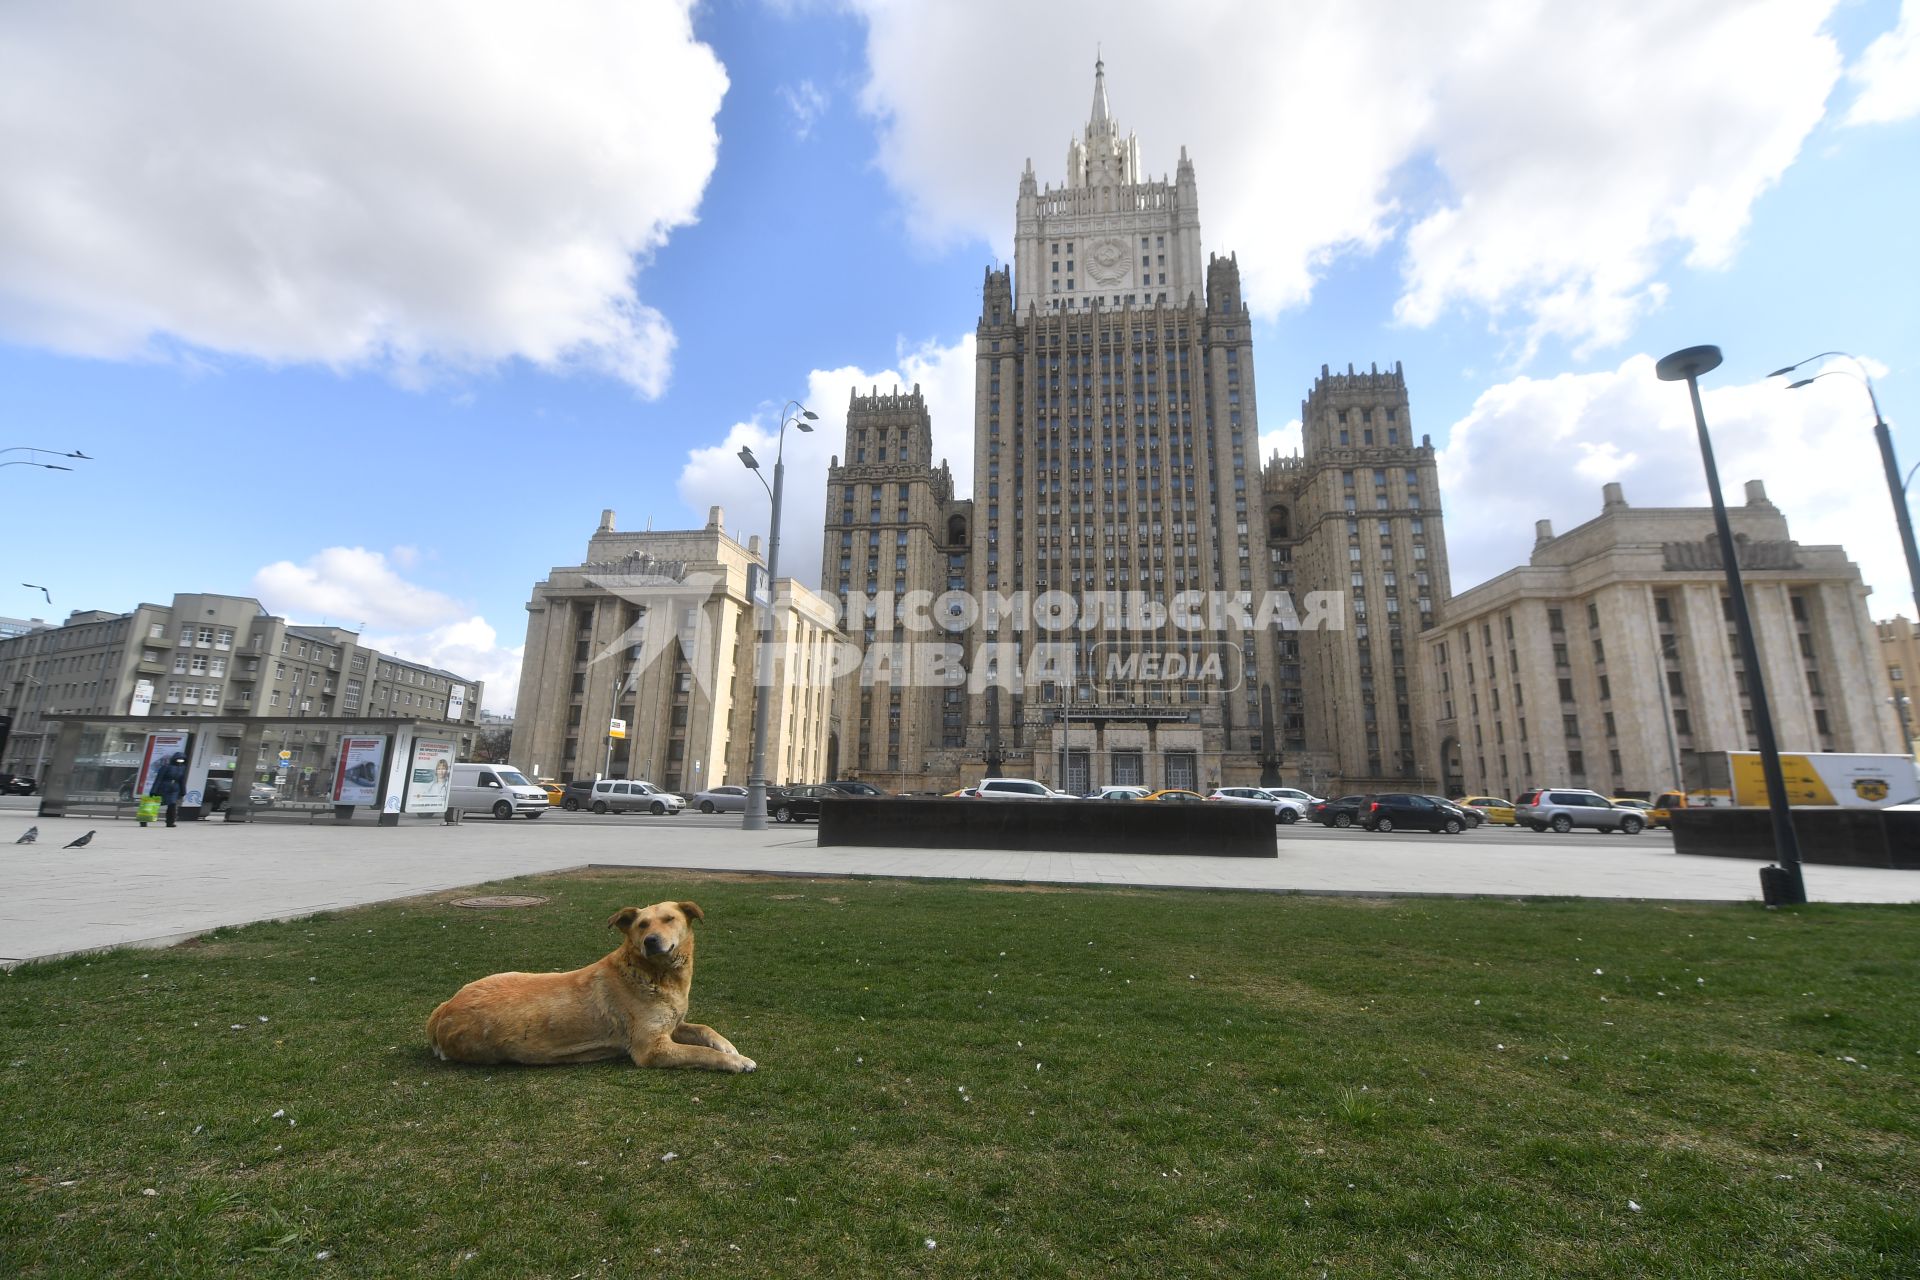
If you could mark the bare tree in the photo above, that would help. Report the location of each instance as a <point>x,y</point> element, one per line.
<point>492,746</point>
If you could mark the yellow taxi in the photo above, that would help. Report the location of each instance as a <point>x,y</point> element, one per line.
<point>553,789</point>
<point>1497,811</point>
<point>1663,805</point>
<point>1174,795</point>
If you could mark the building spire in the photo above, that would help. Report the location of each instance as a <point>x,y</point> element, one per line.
<point>1101,121</point>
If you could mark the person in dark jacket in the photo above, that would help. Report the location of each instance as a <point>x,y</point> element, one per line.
<point>170,783</point>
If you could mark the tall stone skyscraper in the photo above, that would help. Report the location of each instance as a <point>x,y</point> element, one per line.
<point>1115,445</point>
<point>1147,605</point>
<point>893,528</point>
<point>1356,515</point>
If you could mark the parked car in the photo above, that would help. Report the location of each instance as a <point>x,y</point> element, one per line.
<point>17,784</point>
<point>798,804</point>
<point>1492,808</point>
<point>1564,808</point>
<point>1395,810</point>
<point>1119,793</point>
<point>494,788</point>
<point>722,799</point>
<point>1284,811</point>
<point>623,795</point>
<point>1174,795</point>
<point>855,787</point>
<point>1018,789</point>
<point>1472,817</point>
<point>1341,812</point>
<point>577,794</point>
<point>556,791</point>
<point>1643,807</point>
<point>1306,798</point>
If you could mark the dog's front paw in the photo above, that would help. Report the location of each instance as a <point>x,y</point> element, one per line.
<point>742,1063</point>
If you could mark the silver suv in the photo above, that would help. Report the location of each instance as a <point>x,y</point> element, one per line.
<point>1563,808</point>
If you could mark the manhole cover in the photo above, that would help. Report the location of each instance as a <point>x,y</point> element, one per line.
<point>488,904</point>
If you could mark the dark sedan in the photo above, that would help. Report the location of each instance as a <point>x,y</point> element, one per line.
<point>1472,817</point>
<point>1395,811</point>
<point>1342,812</point>
<point>854,787</point>
<point>797,804</point>
<point>17,784</point>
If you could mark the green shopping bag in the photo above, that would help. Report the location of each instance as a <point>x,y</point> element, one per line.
<point>149,808</point>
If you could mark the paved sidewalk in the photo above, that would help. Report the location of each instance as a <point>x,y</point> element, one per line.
<point>153,886</point>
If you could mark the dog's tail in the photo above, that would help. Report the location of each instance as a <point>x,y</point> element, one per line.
<point>436,1028</point>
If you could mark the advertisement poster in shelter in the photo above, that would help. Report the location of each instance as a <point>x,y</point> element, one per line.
<point>429,776</point>
<point>160,748</point>
<point>356,779</point>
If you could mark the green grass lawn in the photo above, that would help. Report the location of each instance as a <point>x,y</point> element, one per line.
<point>968,1080</point>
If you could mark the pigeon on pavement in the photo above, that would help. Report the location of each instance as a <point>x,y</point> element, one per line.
<point>82,842</point>
<point>28,836</point>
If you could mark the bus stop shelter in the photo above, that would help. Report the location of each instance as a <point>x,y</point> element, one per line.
<point>300,764</point>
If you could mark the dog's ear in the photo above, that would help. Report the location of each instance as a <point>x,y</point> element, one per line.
<point>692,909</point>
<point>622,918</point>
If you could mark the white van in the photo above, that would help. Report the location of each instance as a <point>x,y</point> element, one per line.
<point>499,789</point>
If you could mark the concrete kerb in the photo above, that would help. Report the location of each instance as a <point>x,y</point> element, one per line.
<point>167,887</point>
<point>1276,891</point>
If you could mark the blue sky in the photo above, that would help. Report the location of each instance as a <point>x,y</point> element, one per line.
<point>371,319</point>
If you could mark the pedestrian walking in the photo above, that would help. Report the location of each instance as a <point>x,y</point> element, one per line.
<point>170,783</point>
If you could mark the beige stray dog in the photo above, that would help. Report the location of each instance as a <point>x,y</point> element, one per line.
<point>632,1002</point>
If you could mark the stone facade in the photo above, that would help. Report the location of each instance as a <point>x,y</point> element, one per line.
<point>1116,459</point>
<point>895,534</point>
<point>1900,655</point>
<point>1355,519</point>
<point>657,629</point>
<point>212,657</point>
<point>1609,660</point>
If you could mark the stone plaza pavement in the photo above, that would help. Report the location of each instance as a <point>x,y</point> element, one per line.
<point>150,887</point>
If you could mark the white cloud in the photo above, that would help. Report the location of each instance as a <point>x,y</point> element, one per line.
<point>467,647</point>
<point>416,187</point>
<point>1541,449</point>
<point>1542,162</point>
<point>358,589</point>
<point>807,102</point>
<point>714,475</point>
<point>350,586</point>
<point>1285,442</point>
<point>1889,73</point>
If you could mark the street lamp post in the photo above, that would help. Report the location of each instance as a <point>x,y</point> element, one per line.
<point>34,460</point>
<point>1785,884</point>
<point>1884,436</point>
<point>755,817</point>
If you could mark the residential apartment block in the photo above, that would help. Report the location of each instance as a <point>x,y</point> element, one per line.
<point>210,657</point>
